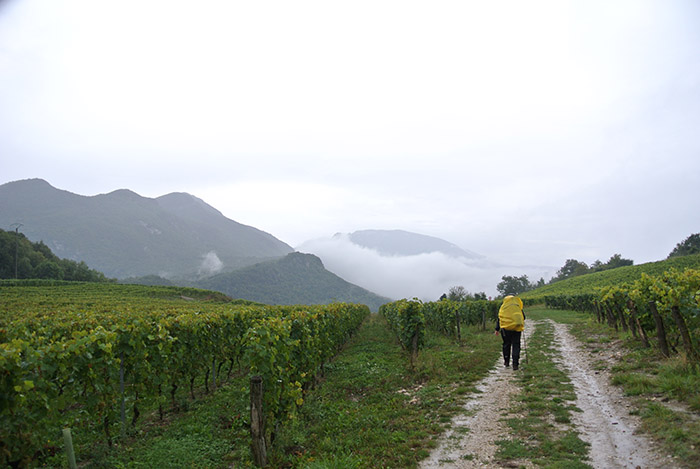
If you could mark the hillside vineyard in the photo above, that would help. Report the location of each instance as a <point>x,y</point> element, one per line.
<point>75,355</point>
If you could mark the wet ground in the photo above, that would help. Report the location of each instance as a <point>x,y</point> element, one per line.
<point>605,421</point>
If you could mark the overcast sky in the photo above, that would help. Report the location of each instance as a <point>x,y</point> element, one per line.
<point>526,131</point>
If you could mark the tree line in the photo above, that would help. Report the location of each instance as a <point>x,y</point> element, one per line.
<point>22,259</point>
<point>573,268</point>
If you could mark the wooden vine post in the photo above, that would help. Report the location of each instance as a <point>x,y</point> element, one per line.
<point>621,315</point>
<point>414,350</point>
<point>257,422</point>
<point>122,404</point>
<point>683,328</point>
<point>213,373</point>
<point>660,330</point>
<point>70,453</point>
<point>612,322</point>
<point>459,329</point>
<point>635,317</point>
<point>596,307</point>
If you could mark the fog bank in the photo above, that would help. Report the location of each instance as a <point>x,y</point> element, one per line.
<point>425,276</point>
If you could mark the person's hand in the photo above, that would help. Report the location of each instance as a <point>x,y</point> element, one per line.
<point>495,332</point>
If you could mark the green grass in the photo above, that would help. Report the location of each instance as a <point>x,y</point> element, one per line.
<point>558,315</point>
<point>652,384</point>
<point>369,410</point>
<point>679,435</point>
<point>209,432</point>
<point>544,434</point>
<point>373,407</point>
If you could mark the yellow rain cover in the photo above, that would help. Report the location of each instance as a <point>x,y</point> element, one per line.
<point>510,316</point>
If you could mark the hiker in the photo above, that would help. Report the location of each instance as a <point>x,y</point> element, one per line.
<point>510,323</point>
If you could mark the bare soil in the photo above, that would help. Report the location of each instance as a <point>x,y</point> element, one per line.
<point>605,421</point>
<point>471,440</point>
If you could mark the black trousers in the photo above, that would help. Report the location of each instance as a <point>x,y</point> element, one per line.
<point>511,340</point>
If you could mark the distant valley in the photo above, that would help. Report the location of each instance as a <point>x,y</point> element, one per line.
<point>402,264</point>
<point>174,239</point>
<point>126,235</point>
<point>179,239</point>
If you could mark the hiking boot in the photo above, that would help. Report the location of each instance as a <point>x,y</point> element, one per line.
<point>506,363</point>
<point>515,367</point>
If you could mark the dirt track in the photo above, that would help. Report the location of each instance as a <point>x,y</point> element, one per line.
<point>471,441</point>
<point>604,422</point>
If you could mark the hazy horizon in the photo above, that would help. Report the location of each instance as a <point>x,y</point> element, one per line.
<point>529,132</point>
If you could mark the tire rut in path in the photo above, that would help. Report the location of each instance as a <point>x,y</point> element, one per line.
<point>605,422</point>
<point>471,440</point>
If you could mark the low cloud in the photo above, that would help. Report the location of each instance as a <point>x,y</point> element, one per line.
<point>211,264</point>
<point>425,276</point>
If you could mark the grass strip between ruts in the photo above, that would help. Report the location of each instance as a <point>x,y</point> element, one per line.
<point>541,417</point>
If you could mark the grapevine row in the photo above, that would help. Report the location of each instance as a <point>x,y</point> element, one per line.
<point>665,305</point>
<point>68,368</point>
<point>410,318</point>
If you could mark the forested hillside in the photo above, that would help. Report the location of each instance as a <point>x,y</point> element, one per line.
<point>124,234</point>
<point>296,279</point>
<point>21,258</point>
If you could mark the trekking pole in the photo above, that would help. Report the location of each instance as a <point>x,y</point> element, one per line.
<point>525,348</point>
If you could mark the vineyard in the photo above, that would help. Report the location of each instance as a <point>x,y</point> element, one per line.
<point>590,283</point>
<point>664,307</point>
<point>94,356</point>
<point>657,302</point>
<point>107,360</point>
<point>408,319</point>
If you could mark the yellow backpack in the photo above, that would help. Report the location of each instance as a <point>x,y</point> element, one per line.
<point>510,315</point>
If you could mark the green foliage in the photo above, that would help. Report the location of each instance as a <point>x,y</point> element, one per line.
<point>689,246</point>
<point>574,268</point>
<point>571,268</point>
<point>368,411</point>
<point>125,235</point>
<point>450,317</point>
<point>406,319</point>
<point>459,293</point>
<point>63,349</point>
<point>372,407</point>
<point>295,279</point>
<point>510,285</point>
<point>653,381</point>
<point>614,262</point>
<point>409,319</point>
<point>662,305</point>
<point>590,283</point>
<point>35,260</point>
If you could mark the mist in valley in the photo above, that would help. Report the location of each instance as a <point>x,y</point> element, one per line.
<point>425,276</point>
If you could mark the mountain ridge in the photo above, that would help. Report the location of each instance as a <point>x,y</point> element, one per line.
<point>297,278</point>
<point>406,243</point>
<point>151,236</point>
<point>124,234</point>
